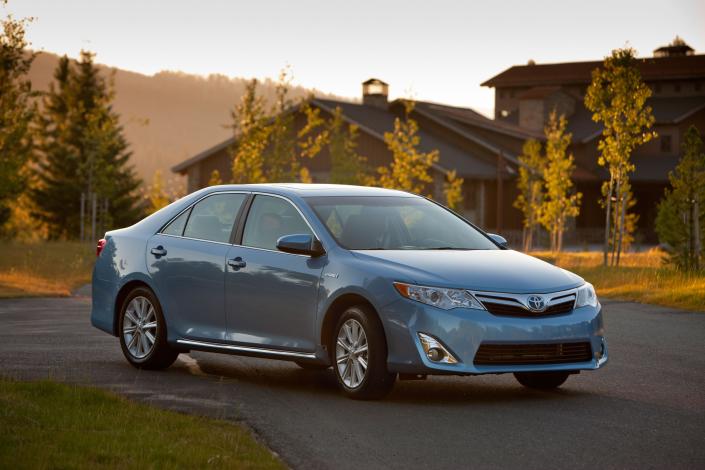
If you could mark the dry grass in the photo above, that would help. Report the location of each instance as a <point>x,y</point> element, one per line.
<point>641,277</point>
<point>44,268</point>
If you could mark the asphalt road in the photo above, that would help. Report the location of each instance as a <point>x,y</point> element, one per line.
<point>646,409</point>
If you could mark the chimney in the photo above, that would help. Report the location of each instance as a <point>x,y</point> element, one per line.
<point>677,48</point>
<point>374,93</point>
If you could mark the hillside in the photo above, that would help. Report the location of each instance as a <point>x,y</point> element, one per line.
<point>168,116</point>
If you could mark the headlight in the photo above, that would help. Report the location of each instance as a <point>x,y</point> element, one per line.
<point>586,296</point>
<point>438,296</point>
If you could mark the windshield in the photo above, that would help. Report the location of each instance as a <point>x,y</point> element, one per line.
<point>395,223</point>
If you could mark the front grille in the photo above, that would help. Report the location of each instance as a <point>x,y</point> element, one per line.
<point>524,354</point>
<point>518,311</point>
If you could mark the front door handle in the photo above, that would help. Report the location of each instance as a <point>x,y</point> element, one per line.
<point>237,263</point>
<point>158,251</point>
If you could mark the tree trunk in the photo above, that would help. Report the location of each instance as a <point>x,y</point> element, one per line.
<point>622,216</point>
<point>608,210</point>
<point>615,221</point>
<point>696,233</point>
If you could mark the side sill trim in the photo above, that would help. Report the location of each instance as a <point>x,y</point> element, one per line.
<point>247,349</point>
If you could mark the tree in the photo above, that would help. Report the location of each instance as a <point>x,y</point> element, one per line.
<point>680,222</point>
<point>282,162</point>
<point>17,112</point>
<point>251,134</point>
<point>157,196</point>
<point>617,98</point>
<point>215,178</point>
<point>409,170</point>
<point>346,165</point>
<point>531,186</point>
<point>560,201</point>
<point>82,150</point>
<point>453,189</point>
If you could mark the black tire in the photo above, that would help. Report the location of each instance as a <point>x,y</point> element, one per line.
<point>312,366</point>
<point>161,355</point>
<point>542,380</point>
<point>377,381</point>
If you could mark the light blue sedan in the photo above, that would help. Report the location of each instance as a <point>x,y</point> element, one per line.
<point>373,282</point>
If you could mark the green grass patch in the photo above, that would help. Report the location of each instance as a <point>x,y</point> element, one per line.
<point>51,425</point>
<point>641,277</point>
<point>44,268</point>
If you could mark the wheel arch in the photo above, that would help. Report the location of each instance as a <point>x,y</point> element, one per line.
<point>337,308</point>
<point>124,291</point>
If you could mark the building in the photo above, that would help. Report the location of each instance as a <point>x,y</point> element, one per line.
<point>484,151</point>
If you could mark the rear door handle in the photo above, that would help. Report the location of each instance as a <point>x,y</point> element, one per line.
<point>158,251</point>
<point>237,263</point>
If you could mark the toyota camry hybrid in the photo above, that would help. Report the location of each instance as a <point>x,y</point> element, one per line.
<point>375,283</point>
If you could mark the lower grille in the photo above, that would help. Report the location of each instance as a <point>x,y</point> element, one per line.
<point>519,311</point>
<point>524,354</point>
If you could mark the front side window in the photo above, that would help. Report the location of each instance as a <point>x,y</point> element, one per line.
<point>269,219</point>
<point>213,217</point>
<point>396,223</point>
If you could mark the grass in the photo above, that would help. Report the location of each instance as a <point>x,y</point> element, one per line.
<point>44,268</point>
<point>641,277</point>
<point>51,425</point>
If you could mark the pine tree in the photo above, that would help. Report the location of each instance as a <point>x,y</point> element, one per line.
<point>83,150</point>
<point>17,111</point>
<point>617,97</point>
<point>346,165</point>
<point>531,188</point>
<point>560,202</point>
<point>680,222</point>
<point>409,170</point>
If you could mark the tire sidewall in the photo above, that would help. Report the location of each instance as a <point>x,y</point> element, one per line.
<point>161,327</point>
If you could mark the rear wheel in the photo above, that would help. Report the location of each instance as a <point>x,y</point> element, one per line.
<point>143,331</point>
<point>542,380</point>
<point>360,355</point>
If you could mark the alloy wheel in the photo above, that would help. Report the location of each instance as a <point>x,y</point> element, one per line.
<point>139,327</point>
<point>351,353</point>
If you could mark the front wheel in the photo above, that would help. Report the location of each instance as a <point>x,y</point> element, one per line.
<point>360,355</point>
<point>542,380</point>
<point>143,331</point>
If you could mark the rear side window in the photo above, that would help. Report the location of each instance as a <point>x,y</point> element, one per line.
<point>213,218</point>
<point>271,218</point>
<point>176,227</point>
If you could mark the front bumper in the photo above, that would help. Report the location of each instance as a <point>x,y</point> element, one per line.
<point>462,331</point>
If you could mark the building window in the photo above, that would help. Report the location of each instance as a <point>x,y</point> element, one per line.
<point>665,143</point>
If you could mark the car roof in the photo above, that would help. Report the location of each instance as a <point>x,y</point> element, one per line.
<point>308,190</point>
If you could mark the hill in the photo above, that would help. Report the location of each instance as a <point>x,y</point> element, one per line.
<point>169,116</point>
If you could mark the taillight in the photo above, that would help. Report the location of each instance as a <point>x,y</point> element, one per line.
<point>100,246</point>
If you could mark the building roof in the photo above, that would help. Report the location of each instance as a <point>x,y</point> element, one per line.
<point>572,73</point>
<point>375,122</point>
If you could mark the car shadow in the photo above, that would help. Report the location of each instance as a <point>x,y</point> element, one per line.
<point>287,377</point>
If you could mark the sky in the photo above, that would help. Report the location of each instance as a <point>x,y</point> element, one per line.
<point>429,50</point>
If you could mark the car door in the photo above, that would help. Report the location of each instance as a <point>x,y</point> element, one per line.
<point>187,263</point>
<point>271,296</point>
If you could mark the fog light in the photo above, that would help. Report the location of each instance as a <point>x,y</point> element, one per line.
<point>435,351</point>
<point>435,354</point>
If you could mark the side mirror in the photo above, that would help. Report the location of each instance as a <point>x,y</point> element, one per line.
<point>499,239</point>
<point>300,244</point>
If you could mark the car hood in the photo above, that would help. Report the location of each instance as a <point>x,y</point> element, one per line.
<point>482,270</point>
